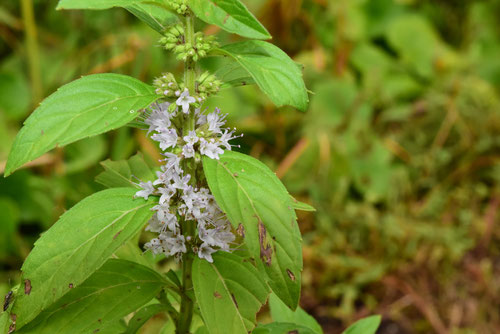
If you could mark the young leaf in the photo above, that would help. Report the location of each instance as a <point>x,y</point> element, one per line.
<point>97,4</point>
<point>282,328</point>
<point>367,325</point>
<point>118,288</point>
<point>281,313</point>
<point>85,107</point>
<point>275,73</point>
<point>230,292</point>
<point>153,14</point>
<point>120,173</point>
<point>76,246</point>
<point>230,15</point>
<point>257,203</point>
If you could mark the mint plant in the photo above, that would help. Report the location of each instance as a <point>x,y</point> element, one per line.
<point>222,216</point>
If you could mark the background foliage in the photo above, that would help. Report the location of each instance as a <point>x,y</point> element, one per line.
<point>399,150</point>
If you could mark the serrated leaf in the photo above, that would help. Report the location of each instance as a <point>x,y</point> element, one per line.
<point>281,313</point>
<point>273,71</point>
<point>118,288</point>
<point>367,325</point>
<point>229,292</point>
<point>252,196</point>
<point>230,15</point>
<point>77,245</point>
<point>282,328</point>
<point>153,14</point>
<point>122,173</point>
<point>85,107</point>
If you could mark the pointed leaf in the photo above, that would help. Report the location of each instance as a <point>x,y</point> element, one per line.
<point>281,313</point>
<point>230,15</point>
<point>230,292</point>
<point>153,14</point>
<point>275,73</point>
<point>282,328</point>
<point>85,107</point>
<point>77,245</point>
<point>301,206</point>
<point>367,325</point>
<point>253,197</point>
<point>118,288</point>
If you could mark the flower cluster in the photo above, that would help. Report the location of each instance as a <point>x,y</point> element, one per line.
<point>174,39</point>
<point>182,201</point>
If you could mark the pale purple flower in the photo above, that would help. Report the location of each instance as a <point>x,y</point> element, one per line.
<point>166,139</point>
<point>185,100</point>
<point>147,189</point>
<point>210,149</point>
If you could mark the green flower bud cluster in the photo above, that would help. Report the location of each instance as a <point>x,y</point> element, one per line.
<point>167,86</point>
<point>180,6</point>
<point>174,40</point>
<point>207,84</point>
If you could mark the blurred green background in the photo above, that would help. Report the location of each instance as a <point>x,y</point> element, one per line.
<point>399,151</point>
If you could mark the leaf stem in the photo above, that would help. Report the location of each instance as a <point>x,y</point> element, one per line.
<point>186,309</point>
<point>32,49</point>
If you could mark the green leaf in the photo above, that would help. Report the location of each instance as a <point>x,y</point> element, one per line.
<point>367,325</point>
<point>252,196</point>
<point>233,75</point>
<point>154,14</point>
<point>301,206</point>
<point>142,316</point>
<point>118,288</point>
<point>85,107</point>
<point>230,292</point>
<point>95,4</point>
<point>282,328</point>
<point>77,245</point>
<point>120,173</point>
<point>273,71</point>
<point>230,15</point>
<point>281,313</point>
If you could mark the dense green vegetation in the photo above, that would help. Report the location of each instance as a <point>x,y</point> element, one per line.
<point>398,151</point>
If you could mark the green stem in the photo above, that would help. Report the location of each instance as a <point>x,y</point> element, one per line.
<point>186,309</point>
<point>32,49</point>
<point>190,66</point>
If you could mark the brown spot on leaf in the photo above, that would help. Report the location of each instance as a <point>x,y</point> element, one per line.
<point>42,132</point>
<point>70,285</point>
<point>27,286</point>
<point>235,174</point>
<point>117,234</point>
<point>293,332</point>
<point>266,251</point>
<point>241,230</point>
<point>12,328</point>
<point>7,300</point>
<point>290,274</point>
<point>97,330</point>
<point>225,19</point>
<point>217,295</point>
<point>234,300</point>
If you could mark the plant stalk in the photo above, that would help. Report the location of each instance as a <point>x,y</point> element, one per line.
<point>186,309</point>
<point>32,52</point>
